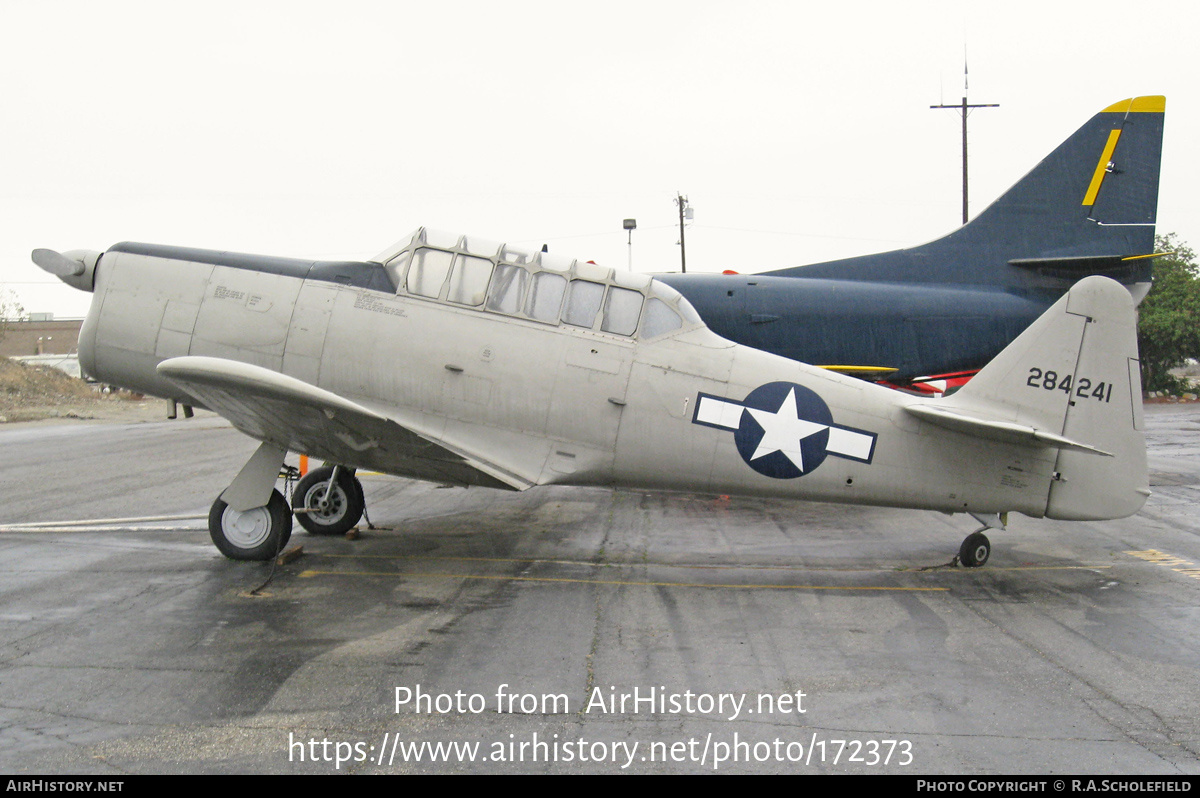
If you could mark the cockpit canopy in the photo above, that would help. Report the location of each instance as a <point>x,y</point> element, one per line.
<point>472,272</point>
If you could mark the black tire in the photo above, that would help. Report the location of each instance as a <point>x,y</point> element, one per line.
<point>256,534</point>
<point>975,550</point>
<point>343,509</point>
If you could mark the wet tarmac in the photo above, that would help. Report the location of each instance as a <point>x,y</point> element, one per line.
<point>580,630</point>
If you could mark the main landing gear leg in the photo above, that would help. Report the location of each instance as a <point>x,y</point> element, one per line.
<point>329,500</point>
<point>976,549</point>
<point>251,520</point>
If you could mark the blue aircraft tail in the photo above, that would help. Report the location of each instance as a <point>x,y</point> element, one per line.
<point>1088,208</point>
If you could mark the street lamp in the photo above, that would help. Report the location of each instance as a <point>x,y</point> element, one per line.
<point>630,225</point>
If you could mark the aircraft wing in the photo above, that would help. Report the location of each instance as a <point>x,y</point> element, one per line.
<point>300,417</point>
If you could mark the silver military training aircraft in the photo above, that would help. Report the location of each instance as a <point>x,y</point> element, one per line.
<point>469,362</point>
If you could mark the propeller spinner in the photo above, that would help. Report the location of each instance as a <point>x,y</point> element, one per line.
<point>76,268</point>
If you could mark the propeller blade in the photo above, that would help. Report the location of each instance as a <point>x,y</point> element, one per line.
<point>57,264</point>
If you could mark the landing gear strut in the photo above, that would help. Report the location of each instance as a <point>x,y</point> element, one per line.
<point>328,500</point>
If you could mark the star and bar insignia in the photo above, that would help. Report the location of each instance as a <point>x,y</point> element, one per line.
<point>784,430</point>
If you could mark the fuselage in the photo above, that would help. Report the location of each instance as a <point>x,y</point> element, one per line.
<point>563,372</point>
<point>905,330</point>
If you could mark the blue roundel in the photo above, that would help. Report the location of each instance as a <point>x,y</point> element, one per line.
<point>784,430</point>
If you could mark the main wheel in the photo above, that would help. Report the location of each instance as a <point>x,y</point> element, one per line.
<point>256,534</point>
<point>975,550</point>
<point>334,514</point>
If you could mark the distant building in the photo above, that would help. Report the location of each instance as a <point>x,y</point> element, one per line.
<point>45,336</point>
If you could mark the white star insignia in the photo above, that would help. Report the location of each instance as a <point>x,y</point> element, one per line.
<point>783,430</point>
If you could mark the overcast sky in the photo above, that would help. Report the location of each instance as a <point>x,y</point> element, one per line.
<point>799,131</point>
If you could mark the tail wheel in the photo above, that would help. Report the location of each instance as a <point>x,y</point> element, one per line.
<point>325,509</point>
<point>975,550</point>
<point>259,533</point>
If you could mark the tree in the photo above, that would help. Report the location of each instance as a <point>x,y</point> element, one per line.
<point>10,310</point>
<point>1169,316</point>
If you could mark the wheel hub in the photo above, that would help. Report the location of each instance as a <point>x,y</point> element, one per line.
<point>246,529</point>
<point>326,506</point>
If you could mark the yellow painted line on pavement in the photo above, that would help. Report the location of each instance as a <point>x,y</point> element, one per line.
<point>1177,564</point>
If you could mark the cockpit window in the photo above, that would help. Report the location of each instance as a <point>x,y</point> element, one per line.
<point>395,268</point>
<point>428,271</point>
<point>660,319</point>
<point>621,311</point>
<point>583,303</point>
<point>508,288</point>
<point>535,286</point>
<point>515,255</point>
<point>469,280</point>
<point>545,296</point>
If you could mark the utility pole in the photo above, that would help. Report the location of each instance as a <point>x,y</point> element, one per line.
<point>684,211</point>
<point>964,109</point>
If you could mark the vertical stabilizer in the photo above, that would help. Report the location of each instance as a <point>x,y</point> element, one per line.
<point>1088,208</point>
<point>1106,409</point>
<point>1071,381</point>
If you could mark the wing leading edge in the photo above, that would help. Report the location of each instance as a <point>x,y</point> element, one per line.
<point>300,417</point>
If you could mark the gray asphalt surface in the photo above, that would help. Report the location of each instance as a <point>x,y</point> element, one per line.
<point>134,647</point>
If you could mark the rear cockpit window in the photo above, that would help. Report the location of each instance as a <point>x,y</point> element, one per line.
<point>469,280</point>
<point>583,303</point>
<point>508,289</point>
<point>621,311</point>
<point>660,319</point>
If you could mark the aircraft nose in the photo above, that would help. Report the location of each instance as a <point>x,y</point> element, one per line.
<point>76,268</point>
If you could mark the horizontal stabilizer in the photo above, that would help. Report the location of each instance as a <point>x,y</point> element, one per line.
<point>997,430</point>
<point>1126,269</point>
<point>864,372</point>
<point>1081,265</point>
